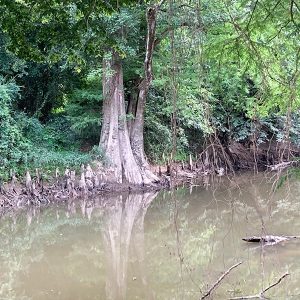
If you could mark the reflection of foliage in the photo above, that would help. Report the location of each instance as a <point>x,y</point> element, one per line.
<point>288,175</point>
<point>210,230</point>
<point>198,248</point>
<point>210,223</point>
<point>26,246</point>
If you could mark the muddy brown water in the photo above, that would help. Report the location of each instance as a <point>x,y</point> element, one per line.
<point>155,246</point>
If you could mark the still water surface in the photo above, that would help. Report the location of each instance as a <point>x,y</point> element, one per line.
<point>154,246</point>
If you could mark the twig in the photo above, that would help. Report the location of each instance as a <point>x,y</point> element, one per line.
<point>277,282</point>
<point>252,13</point>
<point>160,4</point>
<point>215,285</point>
<point>261,295</point>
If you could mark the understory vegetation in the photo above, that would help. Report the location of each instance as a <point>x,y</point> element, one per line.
<point>223,72</point>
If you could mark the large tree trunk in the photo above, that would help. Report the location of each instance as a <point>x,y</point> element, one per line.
<point>114,138</point>
<point>127,157</point>
<point>137,128</point>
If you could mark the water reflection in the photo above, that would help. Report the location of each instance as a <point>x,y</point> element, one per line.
<point>123,230</point>
<point>165,246</point>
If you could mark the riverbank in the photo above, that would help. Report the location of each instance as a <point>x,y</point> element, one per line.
<point>40,187</point>
<point>33,190</point>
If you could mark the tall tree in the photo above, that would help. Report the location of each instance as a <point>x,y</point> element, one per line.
<point>126,153</point>
<point>62,28</point>
<point>137,132</point>
<point>114,133</point>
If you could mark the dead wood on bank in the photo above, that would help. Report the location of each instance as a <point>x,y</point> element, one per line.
<point>227,158</point>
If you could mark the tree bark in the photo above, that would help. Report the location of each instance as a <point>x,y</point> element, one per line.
<point>131,110</point>
<point>114,138</point>
<point>127,156</point>
<point>137,128</point>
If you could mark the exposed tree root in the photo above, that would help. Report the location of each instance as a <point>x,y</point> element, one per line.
<point>33,191</point>
<point>215,157</point>
<point>218,157</point>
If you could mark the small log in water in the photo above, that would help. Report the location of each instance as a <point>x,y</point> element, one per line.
<point>281,166</point>
<point>268,239</point>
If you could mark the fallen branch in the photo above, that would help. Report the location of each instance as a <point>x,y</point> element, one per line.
<point>261,295</point>
<point>215,285</point>
<point>282,165</point>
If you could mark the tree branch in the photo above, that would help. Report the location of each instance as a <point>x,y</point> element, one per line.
<point>296,4</point>
<point>261,295</point>
<point>215,285</point>
<point>292,11</point>
<point>150,42</point>
<point>252,13</point>
<point>179,7</point>
<point>167,30</point>
<point>160,4</point>
<point>271,10</point>
<point>274,284</point>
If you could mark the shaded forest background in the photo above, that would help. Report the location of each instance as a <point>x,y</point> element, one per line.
<point>226,74</point>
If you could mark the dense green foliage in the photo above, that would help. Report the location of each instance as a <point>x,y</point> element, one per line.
<point>233,67</point>
<point>26,142</point>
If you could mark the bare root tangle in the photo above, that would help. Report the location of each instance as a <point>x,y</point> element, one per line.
<point>218,156</point>
<point>215,157</point>
<point>28,190</point>
<point>216,284</point>
<point>261,295</point>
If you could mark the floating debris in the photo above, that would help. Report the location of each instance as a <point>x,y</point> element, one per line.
<point>268,239</point>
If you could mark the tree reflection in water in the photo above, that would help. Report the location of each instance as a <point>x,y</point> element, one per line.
<point>95,247</point>
<point>123,230</point>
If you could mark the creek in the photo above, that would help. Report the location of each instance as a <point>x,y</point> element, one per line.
<point>168,245</point>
